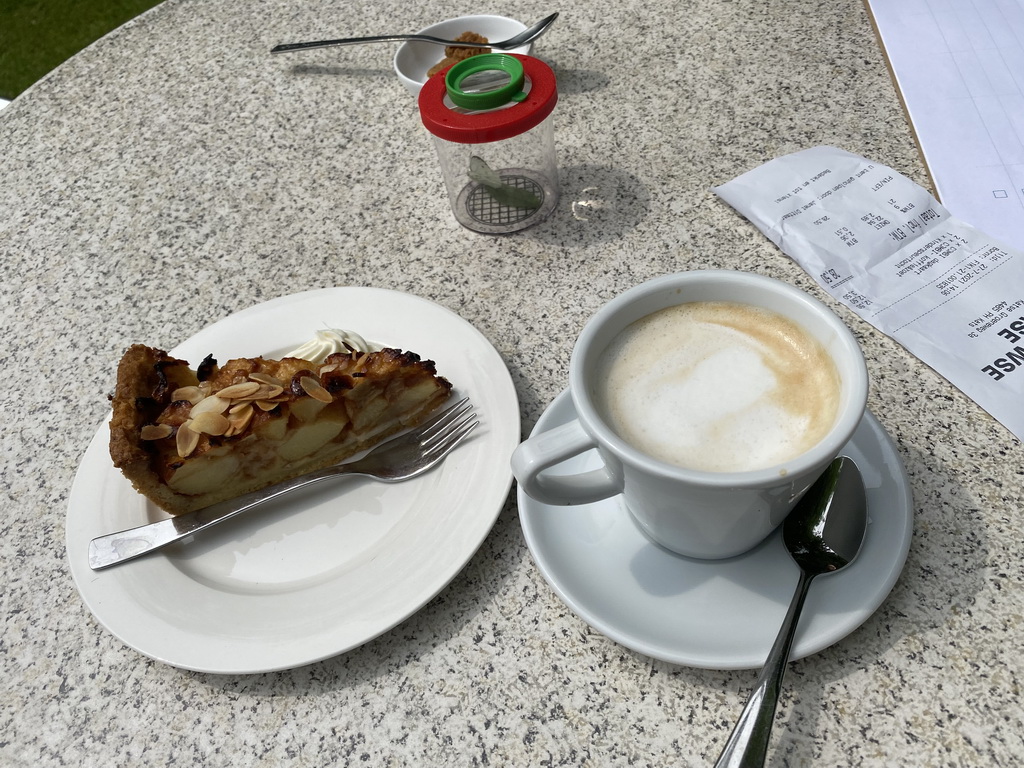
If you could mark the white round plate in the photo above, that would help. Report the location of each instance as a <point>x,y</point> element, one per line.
<point>714,614</point>
<point>320,572</point>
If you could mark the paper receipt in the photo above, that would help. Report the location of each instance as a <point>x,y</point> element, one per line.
<point>883,246</point>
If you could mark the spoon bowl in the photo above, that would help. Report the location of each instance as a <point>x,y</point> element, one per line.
<point>826,531</point>
<point>823,534</point>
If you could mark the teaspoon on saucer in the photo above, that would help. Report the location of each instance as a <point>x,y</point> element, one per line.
<point>823,534</point>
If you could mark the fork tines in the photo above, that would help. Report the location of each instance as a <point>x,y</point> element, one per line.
<point>458,420</point>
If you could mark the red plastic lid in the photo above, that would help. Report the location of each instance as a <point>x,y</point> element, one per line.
<point>495,125</point>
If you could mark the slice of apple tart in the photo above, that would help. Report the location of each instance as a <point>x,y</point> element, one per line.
<point>190,438</point>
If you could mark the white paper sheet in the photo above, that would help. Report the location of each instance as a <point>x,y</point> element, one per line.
<point>959,65</point>
<point>883,246</point>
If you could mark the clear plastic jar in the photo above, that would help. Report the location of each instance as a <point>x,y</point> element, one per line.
<point>490,116</point>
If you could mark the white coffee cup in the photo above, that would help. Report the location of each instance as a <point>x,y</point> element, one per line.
<point>701,514</point>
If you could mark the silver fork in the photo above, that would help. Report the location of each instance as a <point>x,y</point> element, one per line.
<point>402,458</point>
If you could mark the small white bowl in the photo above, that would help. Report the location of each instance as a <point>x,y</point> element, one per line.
<point>413,59</point>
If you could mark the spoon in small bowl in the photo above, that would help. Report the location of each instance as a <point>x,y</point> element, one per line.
<point>823,534</point>
<point>523,38</point>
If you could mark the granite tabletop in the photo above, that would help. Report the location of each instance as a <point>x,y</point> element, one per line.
<point>174,173</point>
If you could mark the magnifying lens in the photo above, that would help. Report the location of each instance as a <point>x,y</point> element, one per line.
<point>486,81</point>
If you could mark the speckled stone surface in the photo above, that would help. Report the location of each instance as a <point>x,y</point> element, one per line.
<point>174,172</point>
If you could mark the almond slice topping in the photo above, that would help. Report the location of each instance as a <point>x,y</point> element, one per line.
<point>192,394</point>
<point>315,389</point>
<point>186,440</point>
<point>262,392</point>
<point>211,404</point>
<point>266,378</point>
<point>210,423</point>
<point>239,421</point>
<point>268,392</point>
<point>156,431</point>
<point>237,391</point>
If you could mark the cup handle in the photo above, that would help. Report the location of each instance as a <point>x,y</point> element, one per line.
<point>538,453</point>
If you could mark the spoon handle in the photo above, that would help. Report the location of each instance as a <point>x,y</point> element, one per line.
<point>747,746</point>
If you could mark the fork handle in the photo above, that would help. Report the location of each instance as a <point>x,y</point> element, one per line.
<point>292,47</point>
<point>120,547</point>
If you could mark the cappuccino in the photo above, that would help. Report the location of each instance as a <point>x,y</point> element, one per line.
<point>718,386</point>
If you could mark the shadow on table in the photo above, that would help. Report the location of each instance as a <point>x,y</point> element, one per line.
<point>340,71</point>
<point>948,539</point>
<point>335,70</point>
<point>598,204</point>
<point>572,82</point>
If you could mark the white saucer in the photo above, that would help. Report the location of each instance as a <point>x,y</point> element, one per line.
<point>714,614</point>
<point>319,572</point>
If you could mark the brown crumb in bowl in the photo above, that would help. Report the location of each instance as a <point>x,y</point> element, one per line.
<point>453,54</point>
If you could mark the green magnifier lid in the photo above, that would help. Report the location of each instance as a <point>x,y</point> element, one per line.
<point>509,89</point>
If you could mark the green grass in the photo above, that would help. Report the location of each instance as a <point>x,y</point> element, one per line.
<point>37,35</point>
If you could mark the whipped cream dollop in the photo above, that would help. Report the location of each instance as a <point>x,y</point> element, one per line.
<point>328,342</point>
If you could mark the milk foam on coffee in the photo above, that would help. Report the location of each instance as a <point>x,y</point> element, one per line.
<point>718,386</point>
